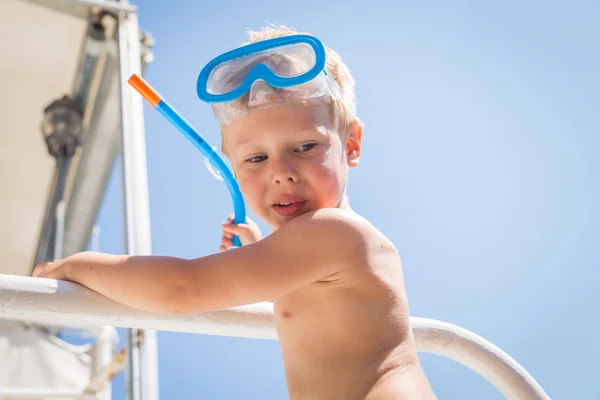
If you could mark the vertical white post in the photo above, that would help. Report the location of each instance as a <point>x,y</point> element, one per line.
<point>105,343</point>
<point>59,236</point>
<point>142,369</point>
<point>105,336</point>
<point>95,245</point>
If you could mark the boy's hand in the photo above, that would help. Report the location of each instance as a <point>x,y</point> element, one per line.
<point>50,270</point>
<point>248,233</point>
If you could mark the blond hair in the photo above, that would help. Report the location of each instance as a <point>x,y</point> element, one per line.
<point>344,109</point>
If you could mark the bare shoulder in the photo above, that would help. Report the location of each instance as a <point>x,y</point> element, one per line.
<point>329,219</point>
<point>332,223</point>
<point>338,230</point>
<point>369,260</point>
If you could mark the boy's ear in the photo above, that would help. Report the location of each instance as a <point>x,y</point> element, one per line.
<point>354,144</point>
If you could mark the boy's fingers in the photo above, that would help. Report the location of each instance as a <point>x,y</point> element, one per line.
<point>235,228</point>
<point>40,268</point>
<point>232,217</point>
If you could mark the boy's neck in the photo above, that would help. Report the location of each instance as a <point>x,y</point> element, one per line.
<point>344,203</point>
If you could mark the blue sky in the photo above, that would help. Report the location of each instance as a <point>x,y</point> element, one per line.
<point>479,162</point>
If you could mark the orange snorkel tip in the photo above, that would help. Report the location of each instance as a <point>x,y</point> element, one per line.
<point>145,90</point>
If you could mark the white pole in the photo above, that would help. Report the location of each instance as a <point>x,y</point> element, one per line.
<point>49,301</point>
<point>103,354</point>
<point>95,245</point>
<point>75,5</point>
<point>143,358</point>
<point>43,393</point>
<point>105,342</point>
<point>59,236</point>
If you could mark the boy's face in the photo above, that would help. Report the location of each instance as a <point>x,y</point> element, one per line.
<point>290,160</point>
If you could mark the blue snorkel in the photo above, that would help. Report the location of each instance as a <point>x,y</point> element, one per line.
<point>159,104</point>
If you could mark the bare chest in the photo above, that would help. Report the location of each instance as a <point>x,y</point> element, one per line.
<point>337,341</point>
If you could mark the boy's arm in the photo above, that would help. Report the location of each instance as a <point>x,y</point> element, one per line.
<point>308,249</point>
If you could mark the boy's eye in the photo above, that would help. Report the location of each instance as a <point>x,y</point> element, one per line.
<point>256,159</point>
<point>306,147</point>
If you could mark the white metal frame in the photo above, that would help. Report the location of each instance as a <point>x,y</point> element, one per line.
<point>35,393</point>
<point>143,359</point>
<point>142,367</point>
<point>106,341</point>
<point>47,301</point>
<point>80,8</point>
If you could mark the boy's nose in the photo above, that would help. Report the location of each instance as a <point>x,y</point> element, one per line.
<point>283,172</point>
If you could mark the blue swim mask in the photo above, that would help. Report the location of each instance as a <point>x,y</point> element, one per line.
<point>284,70</point>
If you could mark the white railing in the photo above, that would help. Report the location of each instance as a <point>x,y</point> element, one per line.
<point>35,393</point>
<point>48,301</point>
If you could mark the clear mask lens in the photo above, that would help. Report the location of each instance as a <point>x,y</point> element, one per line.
<point>285,61</point>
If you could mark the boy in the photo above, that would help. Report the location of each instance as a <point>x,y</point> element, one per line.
<point>287,110</point>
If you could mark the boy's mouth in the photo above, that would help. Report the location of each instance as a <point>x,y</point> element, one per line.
<point>288,207</point>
